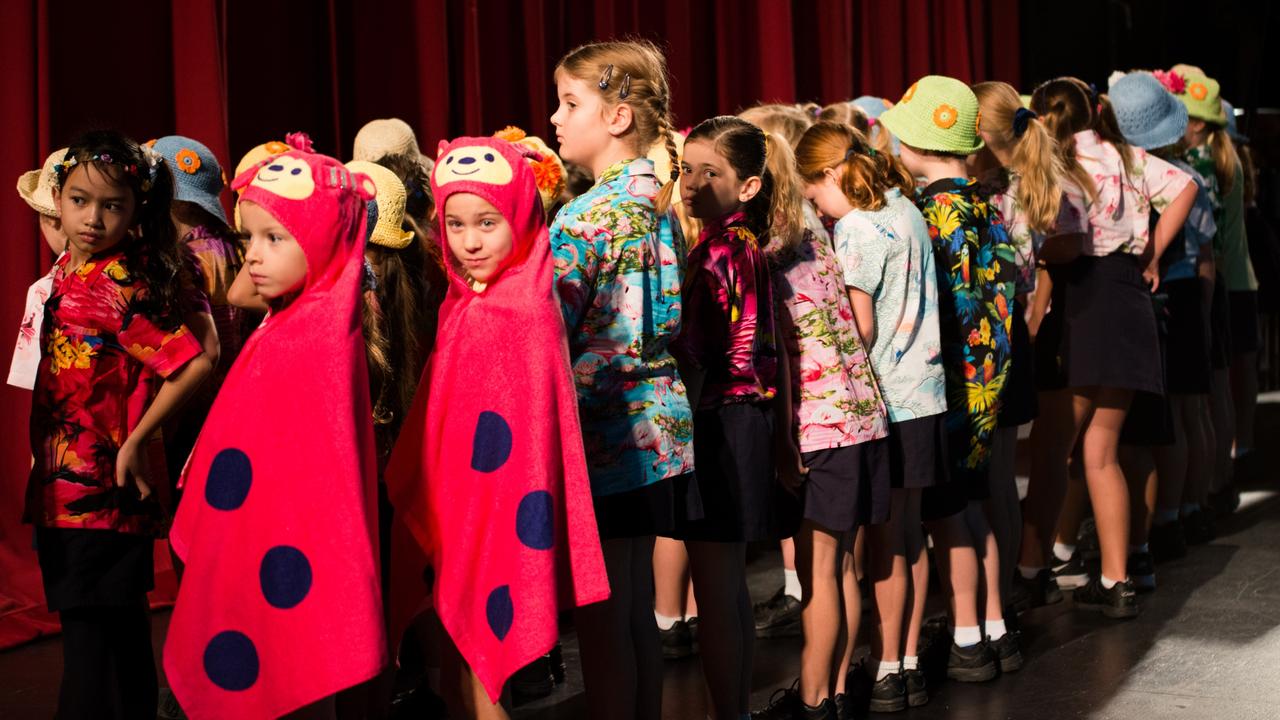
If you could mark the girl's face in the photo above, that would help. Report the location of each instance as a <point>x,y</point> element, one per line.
<point>584,126</point>
<point>480,238</point>
<point>277,264</point>
<point>827,195</point>
<point>709,185</point>
<point>97,211</point>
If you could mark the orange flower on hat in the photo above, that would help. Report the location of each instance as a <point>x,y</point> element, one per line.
<point>910,93</point>
<point>275,147</point>
<point>1198,90</point>
<point>977,122</point>
<point>188,161</point>
<point>944,116</point>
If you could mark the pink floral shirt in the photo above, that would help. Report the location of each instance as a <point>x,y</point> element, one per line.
<point>1120,215</point>
<point>1073,217</point>
<point>834,393</point>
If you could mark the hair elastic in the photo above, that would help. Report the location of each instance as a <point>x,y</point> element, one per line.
<point>1021,119</point>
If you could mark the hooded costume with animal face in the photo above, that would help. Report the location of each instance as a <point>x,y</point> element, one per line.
<point>280,605</point>
<point>489,474</point>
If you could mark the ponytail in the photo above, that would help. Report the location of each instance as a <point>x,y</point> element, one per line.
<point>786,204</point>
<point>868,173</point>
<point>1066,107</point>
<point>1033,152</point>
<point>668,136</point>
<point>1225,159</point>
<point>1108,128</point>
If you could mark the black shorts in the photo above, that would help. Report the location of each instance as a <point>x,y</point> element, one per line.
<point>918,456</point>
<point>1186,352</point>
<point>847,486</point>
<point>94,567</point>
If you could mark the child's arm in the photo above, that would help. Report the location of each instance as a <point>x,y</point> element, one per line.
<point>1167,227</point>
<point>864,316</point>
<point>242,294</point>
<point>131,459</point>
<point>203,329</point>
<point>1039,302</point>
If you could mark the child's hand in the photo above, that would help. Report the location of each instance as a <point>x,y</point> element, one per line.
<point>131,462</point>
<point>791,469</point>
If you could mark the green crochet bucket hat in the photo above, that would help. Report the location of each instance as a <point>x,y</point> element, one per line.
<point>1203,99</point>
<point>938,114</point>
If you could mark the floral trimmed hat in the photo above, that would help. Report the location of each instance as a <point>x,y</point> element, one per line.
<point>1203,99</point>
<point>197,177</point>
<point>936,113</point>
<point>36,186</point>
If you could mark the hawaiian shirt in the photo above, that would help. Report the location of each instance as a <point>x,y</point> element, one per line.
<point>886,253</point>
<point>728,326</point>
<point>1120,212</point>
<point>1072,218</point>
<point>26,352</point>
<point>1231,244</point>
<point>835,397</point>
<point>1181,257</point>
<point>619,268</point>
<point>102,366</point>
<point>217,263</point>
<point>977,273</point>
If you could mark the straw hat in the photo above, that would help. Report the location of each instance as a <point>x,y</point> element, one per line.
<point>36,186</point>
<point>389,136</point>
<point>386,209</point>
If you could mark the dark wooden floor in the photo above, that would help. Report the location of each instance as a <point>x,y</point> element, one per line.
<point>1207,644</point>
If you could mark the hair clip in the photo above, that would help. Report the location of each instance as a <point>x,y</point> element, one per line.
<point>1021,118</point>
<point>606,77</point>
<point>625,90</point>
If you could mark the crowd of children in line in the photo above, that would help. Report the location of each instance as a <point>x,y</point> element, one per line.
<point>416,409</point>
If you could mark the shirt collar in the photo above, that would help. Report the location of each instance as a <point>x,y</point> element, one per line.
<point>633,166</point>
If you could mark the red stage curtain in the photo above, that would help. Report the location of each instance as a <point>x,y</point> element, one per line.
<point>234,73</point>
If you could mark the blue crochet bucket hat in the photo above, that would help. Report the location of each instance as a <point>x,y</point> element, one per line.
<point>197,177</point>
<point>1149,115</point>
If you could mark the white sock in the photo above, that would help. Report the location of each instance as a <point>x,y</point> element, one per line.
<point>886,669</point>
<point>791,583</point>
<point>665,622</point>
<point>1135,549</point>
<point>1028,573</point>
<point>967,636</point>
<point>1063,551</point>
<point>996,629</point>
<point>910,662</point>
<point>689,618</point>
<point>1108,583</point>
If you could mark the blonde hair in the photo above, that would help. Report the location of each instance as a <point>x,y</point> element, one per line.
<point>1066,106</point>
<point>868,173</point>
<point>639,67</point>
<point>847,113</point>
<point>787,121</point>
<point>1225,158</point>
<point>1034,153</point>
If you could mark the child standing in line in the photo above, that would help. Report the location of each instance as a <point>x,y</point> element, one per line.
<point>883,246</point>
<point>619,265</point>
<point>1106,345</point>
<point>937,124</point>
<point>36,189</point>
<point>840,424</point>
<point>279,526</point>
<point>728,337</point>
<point>117,363</point>
<point>1043,213</point>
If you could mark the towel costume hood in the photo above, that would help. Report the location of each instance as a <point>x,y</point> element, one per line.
<point>280,605</point>
<point>489,473</point>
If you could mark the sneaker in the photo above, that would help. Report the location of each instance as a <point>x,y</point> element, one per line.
<point>1198,527</point>
<point>677,641</point>
<point>1036,592</point>
<point>533,681</point>
<point>1071,574</point>
<point>1142,572</point>
<point>559,672</point>
<point>1007,651</point>
<point>845,705</point>
<point>786,705</point>
<point>889,694</point>
<point>1167,542</point>
<point>975,663</point>
<point>778,617</point>
<point>917,687</point>
<point>1121,601</point>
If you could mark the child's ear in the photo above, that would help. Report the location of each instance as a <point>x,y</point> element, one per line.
<point>619,119</point>
<point>750,188</point>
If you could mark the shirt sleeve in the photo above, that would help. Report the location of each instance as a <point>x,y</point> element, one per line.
<point>163,352</point>
<point>863,253</point>
<point>574,248</point>
<point>1161,181</point>
<point>742,301</point>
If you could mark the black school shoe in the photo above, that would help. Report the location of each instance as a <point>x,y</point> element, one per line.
<point>778,617</point>
<point>1035,592</point>
<point>1167,542</point>
<point>976,663</point>
<point>786,705</point>
<point>1120,602</point>
<point>917,687</point>
<point>1071,574</point>
<point>1007,651</point>
<point>532,682</point>
<point>677,641</point>
<point>889,694</point>
<point>1142,572</point>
